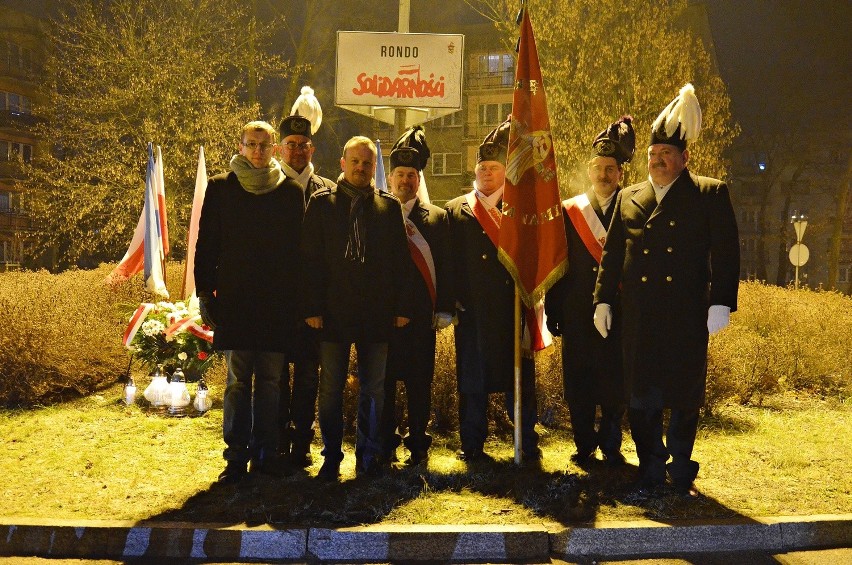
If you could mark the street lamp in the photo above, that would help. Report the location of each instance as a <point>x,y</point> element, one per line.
<point>799,252</point>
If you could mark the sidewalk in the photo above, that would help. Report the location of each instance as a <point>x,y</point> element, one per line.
<point>391,543</point>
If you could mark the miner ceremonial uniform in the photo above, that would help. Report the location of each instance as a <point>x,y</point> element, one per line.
<point>411,349</point>
<point>484,336</point>
<point>674,250</point>
<point>591,365</point>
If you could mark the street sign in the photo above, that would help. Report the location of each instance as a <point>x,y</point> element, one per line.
<point>799,254</point>
<point>379,72</point>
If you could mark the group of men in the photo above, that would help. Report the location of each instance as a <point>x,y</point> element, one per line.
<point>294,268</point>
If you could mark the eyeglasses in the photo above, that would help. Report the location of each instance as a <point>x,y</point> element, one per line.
<point>251,146</point>
<point>292,145</point>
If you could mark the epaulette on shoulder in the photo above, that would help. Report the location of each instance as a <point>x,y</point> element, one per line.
<point>387,195</point>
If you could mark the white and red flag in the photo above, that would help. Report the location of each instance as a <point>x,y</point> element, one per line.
<point>134,260</point>
<point>155,221</point>
<point>188,286</point>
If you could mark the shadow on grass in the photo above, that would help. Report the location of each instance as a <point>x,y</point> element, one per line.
<point>569,497</point>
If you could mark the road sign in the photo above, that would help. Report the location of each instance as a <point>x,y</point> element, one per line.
<point>379,72</point>
<point>799,254</point>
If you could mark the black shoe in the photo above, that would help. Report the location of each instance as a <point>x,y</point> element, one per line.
<point>233,473</point>
<point>614,459</point>
<point>330,471</point>
<point>686,490</point>
<point>417,457</point>
<point>583,459</point>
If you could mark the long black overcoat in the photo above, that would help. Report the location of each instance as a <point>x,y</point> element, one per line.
<point>248,253</point>
<point>673,261</point>
<point>591,365</point>
<point>357,301</point>
<point>485,290</point>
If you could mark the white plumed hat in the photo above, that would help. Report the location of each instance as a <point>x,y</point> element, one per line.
<point>680,121</point>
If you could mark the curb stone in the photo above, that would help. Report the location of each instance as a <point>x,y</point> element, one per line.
<point>101,539</point>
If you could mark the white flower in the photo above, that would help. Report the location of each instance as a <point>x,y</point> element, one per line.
<point>153,327</point>
<point>182,356</point>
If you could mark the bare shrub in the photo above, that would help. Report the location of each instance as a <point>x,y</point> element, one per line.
<point>60,335</point>
<point>782,339</point>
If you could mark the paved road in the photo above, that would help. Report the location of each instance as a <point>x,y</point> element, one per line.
<point>815,557</point>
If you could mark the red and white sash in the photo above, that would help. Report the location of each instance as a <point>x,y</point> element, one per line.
<point>536,337</point>
<point>589,227</point>
<point>421,254</point>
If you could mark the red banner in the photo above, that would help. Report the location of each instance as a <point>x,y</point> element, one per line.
<point>532,233</point>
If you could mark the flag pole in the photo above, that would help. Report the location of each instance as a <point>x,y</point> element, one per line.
<point>517,340</point>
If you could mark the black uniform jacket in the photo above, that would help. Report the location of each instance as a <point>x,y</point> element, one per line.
<point>248,253</point>
<point>412,347</point>
<point>357,301</point>
<point>592,365</point>
<point>673,261</point>
<point>485,292</point>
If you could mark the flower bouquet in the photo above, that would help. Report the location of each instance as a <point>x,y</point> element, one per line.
<point>171,335</point>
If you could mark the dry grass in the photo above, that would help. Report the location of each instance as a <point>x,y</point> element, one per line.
<point>95,458</point>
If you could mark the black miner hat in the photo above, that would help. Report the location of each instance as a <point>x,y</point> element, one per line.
<point>618,141</point>
<point>295,125</point>
<point>410,150</point>
<point>496,144</point>
<point>679,122</point>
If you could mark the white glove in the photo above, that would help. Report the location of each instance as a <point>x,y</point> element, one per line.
<point>718,318</point>
<point>603,318</point>
<point>442,320</point>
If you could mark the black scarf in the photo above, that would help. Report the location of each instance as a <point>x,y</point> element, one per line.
<point>355,245</point>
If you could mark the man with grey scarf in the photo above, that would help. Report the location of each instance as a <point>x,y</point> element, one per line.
<point>356,288</point>
<point>246,276</point>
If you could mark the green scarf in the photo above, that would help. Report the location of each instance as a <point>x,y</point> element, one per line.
<point>257,181</point>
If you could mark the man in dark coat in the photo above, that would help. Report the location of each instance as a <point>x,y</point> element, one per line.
<point>356,289</point>
<point>298,405</point>
<point>485,294</point>
<point>592,370</point>
<point>246,275</point>
<point>411,351</point>
<point>674,249</point>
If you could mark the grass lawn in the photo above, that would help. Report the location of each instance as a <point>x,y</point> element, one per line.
<point>95,458</point>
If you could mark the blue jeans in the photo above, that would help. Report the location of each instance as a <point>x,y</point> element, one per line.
<point>334,368</point>
<point>250,414</point>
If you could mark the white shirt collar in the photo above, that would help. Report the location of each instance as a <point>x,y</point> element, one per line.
<point>491,200</point>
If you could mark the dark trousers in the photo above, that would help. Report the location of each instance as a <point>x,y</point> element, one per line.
<point>418,395</point>
<point>607,436</point>
<point>411,360</point>
<point>250,413</point>
<point>473,418</point>
<point>298,406</point>
<point>334,369</point>
<point>646,427</point>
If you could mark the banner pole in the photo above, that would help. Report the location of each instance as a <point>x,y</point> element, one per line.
<point>517,340</point>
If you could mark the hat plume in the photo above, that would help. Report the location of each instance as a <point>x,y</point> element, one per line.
<point>307,106</point>
<point>683,111</point>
